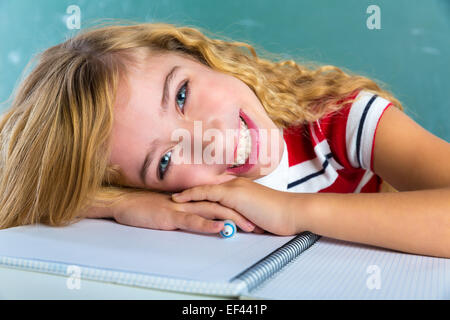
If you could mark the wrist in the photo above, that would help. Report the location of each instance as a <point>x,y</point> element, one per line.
<point>97,212</point>
<point>122,205</point>
<point>303,208</point>
<point>109,209</point>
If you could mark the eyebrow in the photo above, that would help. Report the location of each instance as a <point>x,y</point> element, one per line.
<point>148,159</point>
<point>165,96</point>
<point>169,78</point>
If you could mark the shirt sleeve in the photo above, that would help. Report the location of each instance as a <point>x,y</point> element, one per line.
<point>350,131</point>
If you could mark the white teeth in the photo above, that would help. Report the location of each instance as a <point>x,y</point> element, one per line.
<point>244,145</point>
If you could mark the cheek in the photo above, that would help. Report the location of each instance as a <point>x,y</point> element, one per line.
<point>220,93</point>
<point>123,153</point>
<point>188,176</point>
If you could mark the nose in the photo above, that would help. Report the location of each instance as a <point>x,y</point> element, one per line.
<point>208,141</point>
<point>204,141</point>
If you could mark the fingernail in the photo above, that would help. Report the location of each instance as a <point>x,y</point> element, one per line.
<point>250,225</point>
<point>177,197</point>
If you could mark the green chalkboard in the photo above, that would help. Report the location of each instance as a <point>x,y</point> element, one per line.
<point>408,50</point>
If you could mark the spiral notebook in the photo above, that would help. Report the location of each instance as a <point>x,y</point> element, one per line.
<point>180,261</point>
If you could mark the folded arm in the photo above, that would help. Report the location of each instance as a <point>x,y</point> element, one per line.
<point>416,219</point>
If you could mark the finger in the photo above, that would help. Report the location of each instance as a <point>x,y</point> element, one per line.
<point>207,192</point>
<point>196,223</point>
<point>213,210</point>
<point>258,230</point>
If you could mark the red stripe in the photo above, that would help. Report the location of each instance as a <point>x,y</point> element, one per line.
<point>346,182</point>
<point>334,128</point>
<point>373,185</point>
<point>317,132</point>
<point>299,144</point>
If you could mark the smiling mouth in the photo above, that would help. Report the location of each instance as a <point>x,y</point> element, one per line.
<point>244,146</point>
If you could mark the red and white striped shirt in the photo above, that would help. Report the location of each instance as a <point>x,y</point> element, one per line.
<point>334,153</point>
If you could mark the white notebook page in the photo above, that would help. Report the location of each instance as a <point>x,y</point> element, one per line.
<point>335,269</point>
<point>105,244</point>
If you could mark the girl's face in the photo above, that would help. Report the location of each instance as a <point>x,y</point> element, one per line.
<point>191,136</point>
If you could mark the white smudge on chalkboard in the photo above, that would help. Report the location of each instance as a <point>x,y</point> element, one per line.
<point>431,50</point>
<point>14,57</point>
<point>417,31</point>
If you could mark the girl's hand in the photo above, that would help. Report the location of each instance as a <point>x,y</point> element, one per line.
<point>267,208</point>
<point>157,211</point>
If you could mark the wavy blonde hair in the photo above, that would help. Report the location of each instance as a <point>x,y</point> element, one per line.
<point>54,138</point>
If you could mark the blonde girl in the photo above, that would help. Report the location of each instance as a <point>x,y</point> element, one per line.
<point>90,133</point>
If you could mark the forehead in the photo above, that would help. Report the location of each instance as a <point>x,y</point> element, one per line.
<point>145,61</point>
<point>148,69</point>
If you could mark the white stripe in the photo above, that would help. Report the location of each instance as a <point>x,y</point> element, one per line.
<point>366,177</point>
<point>312,166</point>
<point>277,179</point>
<point>370,123</point>
<point>313,132</point>
<point>321,150</point>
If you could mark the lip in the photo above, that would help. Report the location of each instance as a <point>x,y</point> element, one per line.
<point>254,153</point>
<point>237,138</point>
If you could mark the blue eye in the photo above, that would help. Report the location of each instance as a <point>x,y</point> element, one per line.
<point>182,95</point>
<point>164,164</point>
<point>165,160</point>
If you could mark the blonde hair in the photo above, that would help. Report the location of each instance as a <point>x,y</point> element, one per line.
<point>54,138</point>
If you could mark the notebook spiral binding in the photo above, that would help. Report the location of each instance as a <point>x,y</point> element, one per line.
<point>275,261</point>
